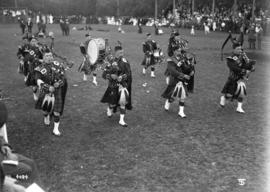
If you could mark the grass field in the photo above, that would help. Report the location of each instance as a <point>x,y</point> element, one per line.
<point>158,152</point>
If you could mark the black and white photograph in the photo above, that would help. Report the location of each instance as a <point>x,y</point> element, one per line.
<point>134,96</point>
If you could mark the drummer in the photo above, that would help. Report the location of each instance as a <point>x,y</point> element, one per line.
<point>86,67</point>
<point>149,47</point>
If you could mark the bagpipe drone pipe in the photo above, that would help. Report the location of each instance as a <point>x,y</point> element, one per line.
<point>235,42</point>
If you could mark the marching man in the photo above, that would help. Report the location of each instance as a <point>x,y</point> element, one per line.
<point>240,66</point>
<point>30,54</point>
<point>180,71</point>
<point>86,67</point>
<point>52,83</point>
<point>149,46</point>
<point>118,93</point>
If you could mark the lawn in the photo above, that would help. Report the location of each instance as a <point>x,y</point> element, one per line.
<point>158,152</point>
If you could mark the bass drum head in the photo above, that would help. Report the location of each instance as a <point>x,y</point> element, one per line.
<point>92,51</point>
<point>94,48</point>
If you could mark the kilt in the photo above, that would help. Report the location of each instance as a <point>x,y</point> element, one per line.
<point>168,93</point>
<point>30,79</point>
<point>87,67</point>
<point>190,84</point>
<point>58,105</point>
<point>149,63</point>
<point>45,102</point>
<point>59,96</point>
<point>25,68</point>
<point>129,103</point>
<point>229,87</point>
<point>111,96</point>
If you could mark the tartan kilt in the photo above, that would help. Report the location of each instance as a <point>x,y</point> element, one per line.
<point>229,87</point>
<point>150,63</point>
<point>87,67</point>
<point>25,67</point>
<point>58,105</point>
<point>59,100</point>
<point>45,102</point>
<point>30,79</point>
<point>111,95</point>
<point>129,101</point>
<point>169,91</point>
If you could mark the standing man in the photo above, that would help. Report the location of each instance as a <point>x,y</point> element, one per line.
<point>118,93</point>
<point>61,23</point>
<point>259,33</point>
<point>22,24</point>
<point>252,37</point>
<point>149,46</point>
<point>29,25</point>
<point>52,83</point>
<point>66,27</point>
<point>140,25</point>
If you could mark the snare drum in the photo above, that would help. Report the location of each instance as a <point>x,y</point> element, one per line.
<point>96,50</point>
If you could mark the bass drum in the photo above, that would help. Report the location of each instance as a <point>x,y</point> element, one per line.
<point>158,55</point>
<point>96,50</point>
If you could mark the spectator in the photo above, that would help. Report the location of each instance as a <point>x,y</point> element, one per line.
<point>252,37</point>
<point>259,32</point>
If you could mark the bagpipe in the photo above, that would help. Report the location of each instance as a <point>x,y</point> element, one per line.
<point>187,67</point>
<point>247,64</point>
<point>188,62</point>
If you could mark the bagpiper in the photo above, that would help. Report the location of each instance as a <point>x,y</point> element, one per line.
<point>23,50</point>
<point>240,67</point>
<point>51,79</point>
<point>174,42</point>
<point>180,70</point>
<point>118,93</point>
<point>30,56</point>
<point>149,47</point>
